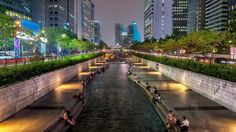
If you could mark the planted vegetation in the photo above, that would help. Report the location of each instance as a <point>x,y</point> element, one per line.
<point>9,75</point>
<point>224,72</point>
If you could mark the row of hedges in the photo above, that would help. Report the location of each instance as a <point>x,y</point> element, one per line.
<point>9,75</point>
<point>224,72</point>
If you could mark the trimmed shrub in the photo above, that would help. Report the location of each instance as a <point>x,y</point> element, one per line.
<point>9,75</point>
<point>224,72</point>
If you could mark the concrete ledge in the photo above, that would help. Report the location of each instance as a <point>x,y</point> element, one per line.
<point>160,108</point>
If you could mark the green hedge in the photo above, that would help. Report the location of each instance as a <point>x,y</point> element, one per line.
<point>224,72</point>
<point>9,75</point>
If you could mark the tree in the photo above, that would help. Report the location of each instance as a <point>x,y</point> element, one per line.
<point>232,22</point>
<point>7,29</point>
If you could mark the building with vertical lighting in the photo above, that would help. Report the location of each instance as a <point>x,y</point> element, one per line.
<point>216,14</point>
<point>60,13</point>
<point>18,9</point>
<point>133,32</point>
<point>38,12</point>
<point>180,17</point>
<point>97,32</point>
<point>120,34</point>
<point>157,18</point>
<point>87,20</point>
<point>196,15</point>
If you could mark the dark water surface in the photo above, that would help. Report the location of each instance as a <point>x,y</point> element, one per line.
<point>115,104</point>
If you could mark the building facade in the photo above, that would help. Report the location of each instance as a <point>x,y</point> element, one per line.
<point>180,17</point>
<point>97,32</point>
<point>18,9</point>
<point>133,33</point>
<point>60,13</point>
<point>87,20</point>
<point>119,34</point>
<point>157,18</point>
<point>196,15</point>
<point>38,12</point>
<point>216,14</point>
<point>232,5</point>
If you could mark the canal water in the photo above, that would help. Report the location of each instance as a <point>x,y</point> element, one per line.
<point>115,104</point>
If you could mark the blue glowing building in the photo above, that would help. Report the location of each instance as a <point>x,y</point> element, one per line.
<point>133,32</point>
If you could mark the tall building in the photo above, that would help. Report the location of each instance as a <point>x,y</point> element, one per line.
<point>133,32</point>
<point>60,13</point>
<point>18,9</point>
<point>196,15</point>
<point>120,34</point>
<point>232,5</point>
<point>180,16</point>
<point>216,14</point>
<point>97,32</point>
<point>157,18</point>
<point>87,19</point>
<point>38,12</point>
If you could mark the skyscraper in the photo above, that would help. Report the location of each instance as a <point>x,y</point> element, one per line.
<point>38,12</point>
<point>18,9</point>
<point>97,32</point>
<point>232,5</point>
<point>119,30</point>
<point>87,18</point>
<point>216,14</point>
<point>180,16</point>
<point>157,18</point>
<point>60,13</point>
<point>196,15</point>
<point>133,32</point>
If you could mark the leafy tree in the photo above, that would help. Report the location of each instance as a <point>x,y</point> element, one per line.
<point>232,22</point>
<point>7,29</point>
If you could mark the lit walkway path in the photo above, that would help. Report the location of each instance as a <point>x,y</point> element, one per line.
<point>116,104</point>
<point>43,113</point>
<point>203,113</point>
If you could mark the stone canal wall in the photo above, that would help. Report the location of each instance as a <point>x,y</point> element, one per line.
<point>220,91</point>
<point>17,96</point>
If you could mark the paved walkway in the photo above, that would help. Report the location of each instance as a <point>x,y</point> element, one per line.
<point>47,110</point>
<point>204,114</point>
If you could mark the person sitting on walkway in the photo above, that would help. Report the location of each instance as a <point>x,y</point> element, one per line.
<point>155,90</point>
<point>171,121</point>
<point>185,125</point>
<point>83,83</point>
<point>81,98</point>
<point>148,86</point>
<point>67,117</point>
<point>91,76</point>
<point>103,69</point>
<point>157,98</point>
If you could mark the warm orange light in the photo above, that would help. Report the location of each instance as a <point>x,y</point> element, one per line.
<point>18,22</point>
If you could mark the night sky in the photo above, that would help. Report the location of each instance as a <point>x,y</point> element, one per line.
<point>110,12</point>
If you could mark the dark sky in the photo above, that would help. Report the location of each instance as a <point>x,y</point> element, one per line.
<point>110,12</point>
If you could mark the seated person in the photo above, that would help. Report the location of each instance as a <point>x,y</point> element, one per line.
<point>81,98</point>
<point>67,117</point>
<point>185,125</point>
<point>83,83</point>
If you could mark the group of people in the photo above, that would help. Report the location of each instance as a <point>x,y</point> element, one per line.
<point>66,115</point>
<point>174,124</point>
<point>156,95</point>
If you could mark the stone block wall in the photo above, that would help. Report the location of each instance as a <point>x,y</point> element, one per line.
<point>218,90</point>
<point>17,96</point>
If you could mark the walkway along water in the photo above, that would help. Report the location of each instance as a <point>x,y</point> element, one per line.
<point>116,104</point>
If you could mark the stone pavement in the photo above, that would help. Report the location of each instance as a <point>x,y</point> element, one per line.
<point>47,110</point>
<point>204,114</point>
